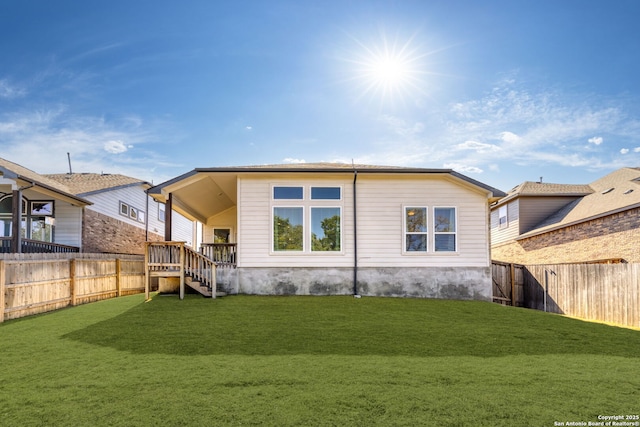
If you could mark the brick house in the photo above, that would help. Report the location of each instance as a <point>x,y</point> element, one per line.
<point>121,216</point>
<point>539,223</point>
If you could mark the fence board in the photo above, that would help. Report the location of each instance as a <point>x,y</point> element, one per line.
<point>601,292</point>
<point>43,282</point>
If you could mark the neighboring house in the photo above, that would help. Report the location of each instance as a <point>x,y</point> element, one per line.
<point>49,215</point>
<point>122,217</point>
<point>538,223</point>
<point>343,229</point>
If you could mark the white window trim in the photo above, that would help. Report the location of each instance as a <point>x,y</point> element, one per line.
<point>341,251</point>
<point>455,233</point>
<point>327,200</point>
<point>505,216</point>
<point>304,193</point>
<point>306,203</point>
<point>405,232</point>
<point>273,251</point>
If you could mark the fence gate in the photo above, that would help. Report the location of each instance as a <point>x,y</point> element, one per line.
<point>508,280</point>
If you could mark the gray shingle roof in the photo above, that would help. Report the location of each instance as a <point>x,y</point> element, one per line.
<point>615,192</point>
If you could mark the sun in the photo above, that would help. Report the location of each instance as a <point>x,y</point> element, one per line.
<point>389,71</point>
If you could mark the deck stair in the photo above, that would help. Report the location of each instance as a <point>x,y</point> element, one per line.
<point>174,259</point>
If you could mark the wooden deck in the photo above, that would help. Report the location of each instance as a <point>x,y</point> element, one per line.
<point>197,270</point>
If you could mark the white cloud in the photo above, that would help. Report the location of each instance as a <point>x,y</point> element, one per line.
<point>624,150</point>
<point>40,141</point>
<point>636,150</point>
<point>458,167</point>
<point>293,161</point>
<point>479,147</point>
<point>597,140</point>
<point>248,127</point>
<point>9,91</point>
<point>510,137</point>
<point>116,147</point>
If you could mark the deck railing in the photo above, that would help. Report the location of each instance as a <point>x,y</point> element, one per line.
<point>30,246</point>
<point>201,269</point>
<point>174,259</point>
<point>223,254</point>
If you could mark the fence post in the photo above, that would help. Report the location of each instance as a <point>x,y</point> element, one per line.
<point>72,280</point>
<point>2,279</point>
<point>181,270</point>
<point>146,271</point>
<point>512,274</point>
<point>118,277</point>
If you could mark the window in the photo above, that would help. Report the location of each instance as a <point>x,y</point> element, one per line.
<point>221,235</point>
<point>503,220</point>
<point>287,193</point>
<point>42,208</point>
<point>131,212</point>
<point>161,212</point>
<point>288,229</point>
<point>415,229</point>
<point>306,219</point>
<point>444,229</point>
<point>325,229</point>
<point>325,193</point>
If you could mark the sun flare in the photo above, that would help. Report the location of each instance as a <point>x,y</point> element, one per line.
<point>389,71</point>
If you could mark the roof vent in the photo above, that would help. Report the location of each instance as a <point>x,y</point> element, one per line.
<point>628,191</point>
<point>608,190</point>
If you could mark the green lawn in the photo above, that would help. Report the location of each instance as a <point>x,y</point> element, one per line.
<point>244,360</point>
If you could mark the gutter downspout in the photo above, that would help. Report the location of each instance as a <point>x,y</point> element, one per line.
<point>355,237</point>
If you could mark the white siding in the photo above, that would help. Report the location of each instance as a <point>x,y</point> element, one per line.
<point>108,203</point>
<point>512,230</point>
<point>227,219</point>
<point>380,221</point>
<point>381,204</point>
<point>255,227</point>
<point>182,229</point>
<point>68,228</point>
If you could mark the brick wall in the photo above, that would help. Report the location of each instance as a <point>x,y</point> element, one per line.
<point>101,233</point>
<point>613,236</point>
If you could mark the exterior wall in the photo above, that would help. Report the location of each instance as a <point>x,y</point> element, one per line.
<point>107,203</point>
<point>533,210</point>
<point>523,214</point>
<point>512,229</point>
<point>226,219</point>
<point>381,205</point>
<point>68,227</point>
<point>383,268</point>
<point>103,233</point>
<point>428,282</point>
<point>255,223</point>
<point>613,236</point>
<point>68,218</point>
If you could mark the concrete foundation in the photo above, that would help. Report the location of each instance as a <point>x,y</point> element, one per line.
<point>463,283</point>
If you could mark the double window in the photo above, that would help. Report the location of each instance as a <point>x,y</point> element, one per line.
<point>420,228</point>
<point>307,224</point>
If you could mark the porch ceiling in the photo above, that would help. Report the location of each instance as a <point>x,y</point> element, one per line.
<point>204,195</point>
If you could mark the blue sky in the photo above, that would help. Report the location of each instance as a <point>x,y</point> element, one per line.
<point>501,91</point>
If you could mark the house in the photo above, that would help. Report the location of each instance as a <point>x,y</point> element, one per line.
<point>540,223</point>
<point>330,229</point>
<point>49,215</point>
<point>121,216</point>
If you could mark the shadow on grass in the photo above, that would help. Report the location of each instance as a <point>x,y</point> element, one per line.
<point>251,325</point>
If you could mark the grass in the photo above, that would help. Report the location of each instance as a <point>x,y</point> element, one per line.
<point>246,360</point>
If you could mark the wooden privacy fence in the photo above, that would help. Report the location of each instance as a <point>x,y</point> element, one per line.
<point>29,285</point>
<point>601,292</point>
